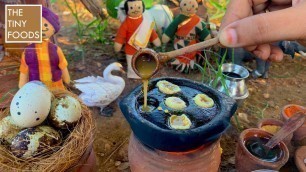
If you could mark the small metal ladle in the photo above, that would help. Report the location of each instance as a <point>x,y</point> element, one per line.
<point>164,57</point>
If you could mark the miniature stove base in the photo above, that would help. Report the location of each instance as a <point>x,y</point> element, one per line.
<point>145,159</point>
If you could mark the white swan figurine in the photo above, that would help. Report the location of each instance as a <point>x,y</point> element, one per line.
<point>99,91</point>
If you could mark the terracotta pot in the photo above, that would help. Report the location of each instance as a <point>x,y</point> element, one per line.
<point>300,158</point>
<point>271,121</point>
<point>245,161</point>
<point>145,159</point>
<point>299,136</point>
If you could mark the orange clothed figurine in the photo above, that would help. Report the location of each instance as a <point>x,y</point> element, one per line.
<point>135,32</point>
<point>45,61</point>
<point>186,29</point>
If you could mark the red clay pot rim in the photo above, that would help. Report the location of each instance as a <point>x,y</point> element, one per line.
<point>270,121</point>
<point>285,107</point>
<point>282,160</point>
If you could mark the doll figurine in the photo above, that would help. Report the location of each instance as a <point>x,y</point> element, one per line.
<point>135,32</point>
<point>45,61</point>
<point>186,29</point>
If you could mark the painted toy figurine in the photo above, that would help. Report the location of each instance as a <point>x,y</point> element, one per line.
<point>45,61</point>
<point>186,29</point>
<point>135,32</point>
<point>160,14</point>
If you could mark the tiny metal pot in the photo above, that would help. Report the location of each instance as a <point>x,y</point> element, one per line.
<point>271,121</point>
<point>235,83</point>
<point>299,136</point>
<point>245,161</point>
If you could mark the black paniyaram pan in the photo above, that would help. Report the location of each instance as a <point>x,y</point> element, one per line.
<point>152,128</point>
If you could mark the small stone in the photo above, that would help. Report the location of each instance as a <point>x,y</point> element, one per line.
<point>262,81</point>
<point>289,100</point>
<point>99,64</point>
<point>266,95</point>
<point>231,160</point>
<point>117,163</point>
<point>271,103</point>
<point>244,117</point>
<point>166,111</point>
<point>81,67</point>
<point>160,108</point>
<point>107,147</point>
<point>101,154</point>
<point>123,166</point>
<point>251,89</point>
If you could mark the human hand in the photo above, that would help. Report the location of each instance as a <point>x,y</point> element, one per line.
<point>246,24</point>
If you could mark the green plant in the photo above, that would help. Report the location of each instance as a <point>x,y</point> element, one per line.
<point>74,12</point>
<point>99,33</point>
<point>212,73</point>
<point>216,9</point>
<point>94,29</point>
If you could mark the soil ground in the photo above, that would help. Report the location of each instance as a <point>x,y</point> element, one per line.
<point>286,85</point>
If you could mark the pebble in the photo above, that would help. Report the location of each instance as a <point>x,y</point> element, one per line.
<point>262,81</point>
<point>244,117</point>
<point>251,89</point>
<point>101,154</point>
<point>117,163</point>
<point>271,103</point>
<point>160,108</point>
<point>81,67</point>
<point>289,100</point>
<point>266,95</point>
<point>231,160</point>
<point>99,64</point>
<point>123,166</point>
<point>107,147</point>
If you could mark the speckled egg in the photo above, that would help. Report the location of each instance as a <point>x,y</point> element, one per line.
<point>34,141</point>
<point>31,105</point>
<point>65,112</point>
<point>8,130</point>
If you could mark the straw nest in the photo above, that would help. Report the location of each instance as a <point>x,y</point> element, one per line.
<point>66,156</point>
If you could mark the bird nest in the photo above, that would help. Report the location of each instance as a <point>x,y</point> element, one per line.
<point>65,157</point>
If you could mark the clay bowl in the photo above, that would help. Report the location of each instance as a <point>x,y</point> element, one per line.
<point>271,121</point>
<point>300,158</point>
<point>299,136</point>
<point>245,161</point>
<point>152,128</point>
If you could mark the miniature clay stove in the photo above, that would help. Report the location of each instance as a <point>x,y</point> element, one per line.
<point>152,131</point>
<point>155,146</point>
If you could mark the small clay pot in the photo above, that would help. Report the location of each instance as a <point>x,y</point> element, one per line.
<point>145,159</point>
<point>245,161</point>
<point>299,136</point>
<point>300,158</point>
<point>271,121</point>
